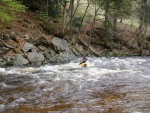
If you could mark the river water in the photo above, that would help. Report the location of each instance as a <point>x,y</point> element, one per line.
<point>107,85</point>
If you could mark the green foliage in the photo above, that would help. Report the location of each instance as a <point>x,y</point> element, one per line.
<point>9,9</point>
<point>77,21</point>
<point>120,7</point>
<point>43,16</point>
<point>116,53</point>
<point>54,8</point>
<point>5,17</point>
<point>147,12</point>
<point>89,17</point>
<point>107,24</point>
<point>14,5</point>
<point>108,40</point>
<point>147,15</point>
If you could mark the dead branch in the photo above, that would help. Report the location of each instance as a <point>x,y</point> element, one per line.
<point>90,48</point>
<point>130,37</point>
<point>6,45</point>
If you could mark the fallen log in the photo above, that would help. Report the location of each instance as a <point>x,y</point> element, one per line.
<point>90,48</point>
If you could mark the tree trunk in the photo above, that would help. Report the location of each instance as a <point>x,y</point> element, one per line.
<point>89,41</point>
<point>131,21</point>
<point>64,16</point>
<point>121,20</point>
<point>73,14</point>
<point>118,5</point>
<point>107,3</point>
<point>115,25</point>
<point>132,10</point>
<point>142,19</point>
<point>72,17</point>
<point>82,21</point>
<point>47,7</point>
<point>140,31</point>
<point>142,41</point>
<point>145,26</point>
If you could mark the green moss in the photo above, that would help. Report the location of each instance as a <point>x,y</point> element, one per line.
<point>116,53</point>
<point>9,10</point>
<point>5,17</point>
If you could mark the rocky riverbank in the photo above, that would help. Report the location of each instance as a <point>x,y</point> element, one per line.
<point>31,42</point>
<point>27,43</point>
<point>17,50</point>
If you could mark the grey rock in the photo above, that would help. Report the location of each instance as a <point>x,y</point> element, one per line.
<point>61,58</point>
<point>36,58</point>
<point>20,60</point>
<point>47,55</point>
<point>60,44</point>
<point>12,34</point>
<point>3,62</point>
<point>7,60</point>
<point>28,46</point>
<point>5,36</point>
<point>26,37</point>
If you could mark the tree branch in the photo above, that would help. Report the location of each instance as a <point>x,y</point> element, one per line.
<point>8,46</point>
<point>90,48</point>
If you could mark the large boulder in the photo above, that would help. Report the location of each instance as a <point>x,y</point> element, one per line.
<point>28,47</point>
<point>19,60</point>
<point>35,58</point>
<point>61,57</point>
<point>58,52</point>
<point>60,44</point>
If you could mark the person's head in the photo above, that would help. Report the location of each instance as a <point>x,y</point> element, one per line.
<point>85,59</point>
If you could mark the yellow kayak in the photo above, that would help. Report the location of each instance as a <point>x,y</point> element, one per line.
<point>85,64</point>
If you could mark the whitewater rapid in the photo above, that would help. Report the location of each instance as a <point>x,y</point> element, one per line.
<point>107,84</point>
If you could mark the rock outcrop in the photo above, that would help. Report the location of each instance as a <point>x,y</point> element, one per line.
<point>49,50</point>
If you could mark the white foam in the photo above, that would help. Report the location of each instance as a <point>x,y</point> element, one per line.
<point>96,67</point>
<point>20,100</point>
<point>13,71</point>
<point>2,106</point>
<point>137,112</point>
<point>2,70</point>
<point>42,82</point>
<point>3,84</point>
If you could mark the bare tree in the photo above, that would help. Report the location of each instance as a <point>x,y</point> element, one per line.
<point>72,16</point>
<point>92,27</point>
<point>107,20</point>
<point>79,29</point>
<point>143,24</point>
<point>64,15</point>
<point>47,7</point>
<point>116,14</point>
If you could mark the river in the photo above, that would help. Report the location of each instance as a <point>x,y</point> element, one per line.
<point>107,85</point>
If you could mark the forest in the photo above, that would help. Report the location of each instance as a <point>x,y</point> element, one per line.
<point>102,27</point>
